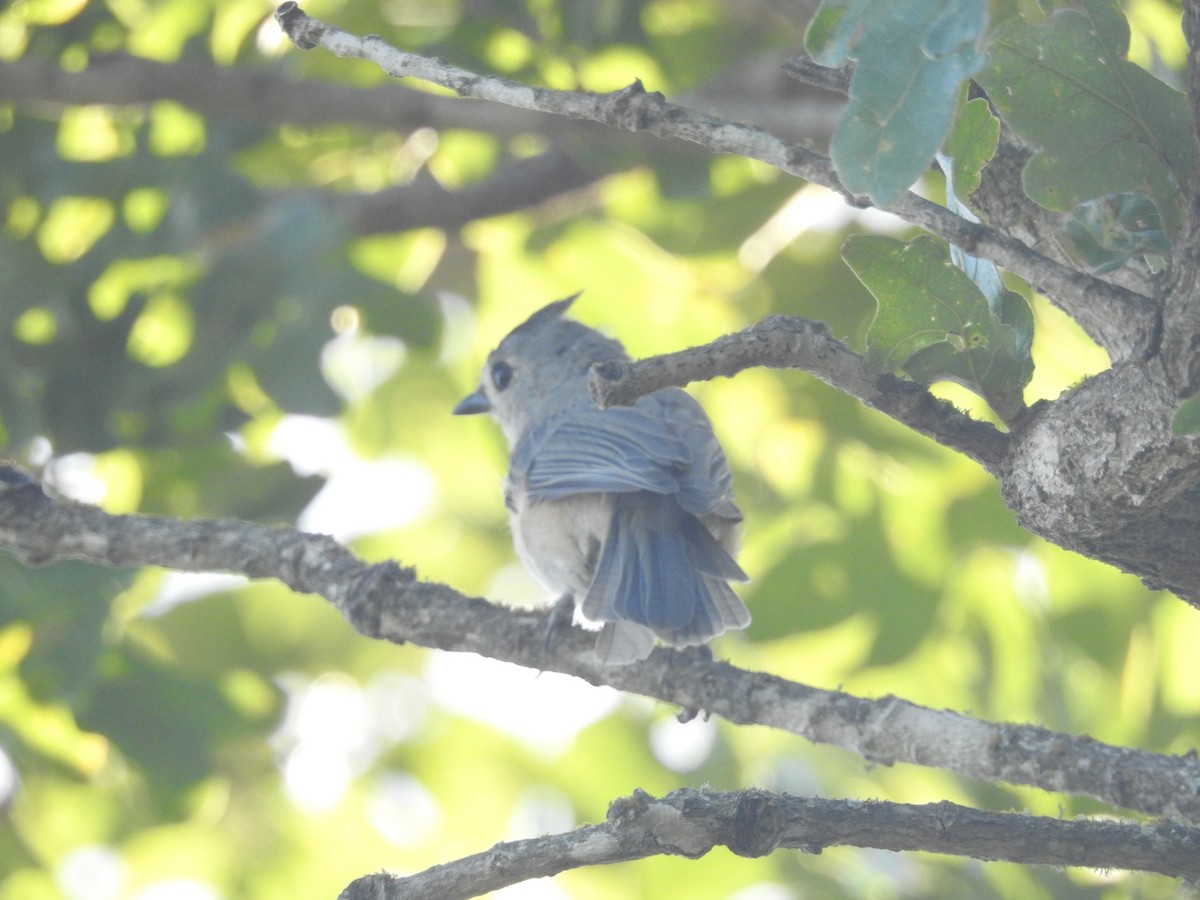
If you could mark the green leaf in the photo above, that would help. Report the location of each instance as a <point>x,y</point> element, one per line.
<point>976,136</point>
<point>910,61</point>
<point>1187,417</point>
<point>935,324</point>
<point>971,143</point>
<point>1102,125</point>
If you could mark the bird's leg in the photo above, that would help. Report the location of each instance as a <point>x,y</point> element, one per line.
<point>561,614</point>
<point>687,713</point>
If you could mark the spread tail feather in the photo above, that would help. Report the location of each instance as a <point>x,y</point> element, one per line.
<point>661,569</point>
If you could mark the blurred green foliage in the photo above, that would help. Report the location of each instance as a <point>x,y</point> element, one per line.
<point>180,292</point>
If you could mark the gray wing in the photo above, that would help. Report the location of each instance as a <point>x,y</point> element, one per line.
<point>707,487</point>
<point>663,444</point>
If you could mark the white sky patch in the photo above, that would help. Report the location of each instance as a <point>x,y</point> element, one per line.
<point>184,587</point>
<point>74,476</point>
<point>458,328</point>
<point>360,496</point>
<point>94,872</point>
<point>398,705</point>
<point>311,445</point>
<point>767,890</point>
<point>812,208</point>
<point>682,746</point>
<point>326,739</point>
<point>541,809</point>
<point>9,779</point>
<point>355,364</point>
<point>402,809</point>
<point>544,711</point>
<point>1030,582</point>
<point>316,777</point>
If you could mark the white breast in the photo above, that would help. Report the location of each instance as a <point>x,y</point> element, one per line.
<point>559,541</point>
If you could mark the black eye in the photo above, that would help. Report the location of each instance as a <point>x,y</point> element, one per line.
<point>502,374</point>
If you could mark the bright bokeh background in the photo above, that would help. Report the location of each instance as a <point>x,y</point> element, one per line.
<point>187,326</point>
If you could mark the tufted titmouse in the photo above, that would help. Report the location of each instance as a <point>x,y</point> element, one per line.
<point>629,511</point>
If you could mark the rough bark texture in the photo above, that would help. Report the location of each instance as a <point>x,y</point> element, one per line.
<point>388,602</point>
<point>752,823</point>
<point>1098,471</point>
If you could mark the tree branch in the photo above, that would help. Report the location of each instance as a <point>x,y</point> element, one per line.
<point>388,602</point>
<point>1181,312</point>
<point>520,184</point>
<point>792,342</point>
<point>804,68</point>
<point>1118,319</point>
<point>262,96</point>
<point>1000,197</point>
<point>753,823</point>
<point>266,95</point>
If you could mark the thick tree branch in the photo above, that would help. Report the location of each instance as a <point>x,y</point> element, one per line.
<point>1098,471</point>
<point>1181,309</point>
<point>389,602</point>
<point>753,823</point>
<point>792,342</point>
<point>1118,319</point>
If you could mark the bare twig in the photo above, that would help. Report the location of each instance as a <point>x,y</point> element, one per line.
<point>425,203</point>
<point>388,602</point>
<point>753,823</point>
<point>802,67</point>
<point>792,342</point>
<point>262,96</point>
<point>1118,319</point>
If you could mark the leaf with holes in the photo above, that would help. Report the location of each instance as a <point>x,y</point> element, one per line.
<point>935,324</point>
<point>1101,124</point>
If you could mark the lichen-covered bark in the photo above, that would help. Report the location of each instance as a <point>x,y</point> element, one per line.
<point>1098,471</point>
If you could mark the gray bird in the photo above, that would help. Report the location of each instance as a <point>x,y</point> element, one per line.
<point>626,511</point>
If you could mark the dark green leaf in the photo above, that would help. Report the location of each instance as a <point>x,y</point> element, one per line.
<point>935,324</point>
<point>971,143</point>
<point>976,140</point>
<point>1102,124</point>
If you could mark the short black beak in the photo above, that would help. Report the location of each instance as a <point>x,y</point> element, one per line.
<point>472,404</point>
